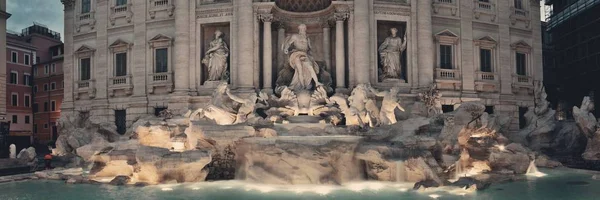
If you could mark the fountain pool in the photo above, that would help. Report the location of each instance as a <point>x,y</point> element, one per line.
<point>558,184</point>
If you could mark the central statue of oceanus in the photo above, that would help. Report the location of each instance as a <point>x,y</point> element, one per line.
<point>300,71</point>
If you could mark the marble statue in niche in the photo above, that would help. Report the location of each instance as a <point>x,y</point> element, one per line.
<point>305,69</point>
<point>215,58</point>
<point>390,52</point>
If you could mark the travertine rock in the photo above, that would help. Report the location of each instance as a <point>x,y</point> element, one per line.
<point>27,154</point>
<point>81,129</point>
<point>515,158</point>
<point>586,121</point>
<point>541,122</point>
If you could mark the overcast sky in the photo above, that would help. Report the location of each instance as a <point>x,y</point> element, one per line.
<point>25,12</point>
<point>50,13</point>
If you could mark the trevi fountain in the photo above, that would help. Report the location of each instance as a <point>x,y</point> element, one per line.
<point>314,131</point>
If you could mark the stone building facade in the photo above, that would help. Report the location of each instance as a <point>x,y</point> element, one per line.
<point>124,59</point>
<point>3,17</point>
<point>48,93</point>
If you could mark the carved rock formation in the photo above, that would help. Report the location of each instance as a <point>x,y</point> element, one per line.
<point>540,123</point>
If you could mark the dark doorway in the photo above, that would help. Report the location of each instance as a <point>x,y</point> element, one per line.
<point>447,108</point>
<point>522,122</point>
<point>121,121</point>
<point>54,133</point>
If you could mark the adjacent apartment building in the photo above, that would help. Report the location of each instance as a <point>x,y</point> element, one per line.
<point>35,45</point>
<point>48,93</point>
<point>3,123</point>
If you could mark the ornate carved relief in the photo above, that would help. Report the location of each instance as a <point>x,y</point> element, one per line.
<point>220,12</point>
<point>161,6</point>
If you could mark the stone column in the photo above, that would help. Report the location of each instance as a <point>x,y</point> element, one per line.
<point>3,17</point>
<point>425,46</point>
<point>245,48</point>
<point>280,39</point>
<point>181,53</point>
<point>267,51</point>
<point>362,37</point>
<point>326,43</point>
<point>467,49</point>
<point>340,60</point>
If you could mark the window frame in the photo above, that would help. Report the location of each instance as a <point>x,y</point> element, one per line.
<point>46,106</point>
<point>27,100</point>
<point>161,42</point>
<point>89,7</point>
<point>447,38</point>
<point>16,79</point>
<point>486,43</point>
<point>46,87</point>
<point>15,119</point>
<point>14,99</point>
<point>26,59</point>
<point>53,68</point>
<point>89,70</point>
<point>14,57</point>
<point>521,47</point>
<point>156,61</point>
<point>27,119</point>
<point>483,65</point>
<point>27,80</point>
<point>52,86</point>
<point>53,106</point>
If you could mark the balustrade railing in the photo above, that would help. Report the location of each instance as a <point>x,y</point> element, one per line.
<point>481,5</point>
<point>487,76</point>
<point>161,3</point>
<point>447,74</point>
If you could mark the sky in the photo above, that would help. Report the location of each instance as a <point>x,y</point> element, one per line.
<point>50,13</point>
<point>25,12</point>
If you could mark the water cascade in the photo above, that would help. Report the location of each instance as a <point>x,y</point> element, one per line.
<point>458,170</point>
<point>400,171</point>
<point>533,171</point>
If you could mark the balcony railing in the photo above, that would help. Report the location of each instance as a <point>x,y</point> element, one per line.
<point>447,74</point>
<point>161,3</point>
<point>445,1</point>
<point>161,77</point>
<point>86,84</point>
<point>487,6</point>
<point>120,80</point>
<point>120,9</point>
<point>487,76</point>
<point>521,12</point>
<point>86,16</point>
<point>522,79</point>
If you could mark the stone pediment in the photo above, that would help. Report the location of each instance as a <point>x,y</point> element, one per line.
<point>120,45</point>
<point>160,40</point>
<point>520,44</point>
<point>84,49</point>
<point>446,36</point>
<point>486,42</point>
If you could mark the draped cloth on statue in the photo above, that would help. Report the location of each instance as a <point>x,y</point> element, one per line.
<point>305,68</point>
<point>392,62</point>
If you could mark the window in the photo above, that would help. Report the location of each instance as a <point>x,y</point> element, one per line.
<point>121,64</point>
<point>45,86</point>
<point>35,88</point>
<point>521,69</point>
<point>35,108</point>
<point>447,108</point>
<point>485,58</point>
<point>121,121</point>
<point>27,119</point>
<point>86,6</point>
<point>53,86</point>
<point>121,2</point>
<point>14,100</point>
<point>45,106</point>
<point>161,60</point>
<point>446,56</point>
<point>489,109</point>
<point>37,59</point>
<point>27,59</point>
<point>46,69</point>
<point>35,73</point>
<point>53,106</point>
<point>14,57</point>
<point>27,101</point>
<point>45,126</point>
<point>53,68</point>
<point>519,4</point>
<point>27,79</point>
<point>85,69</point>
<point>14,77</point>
<point>14,119</point>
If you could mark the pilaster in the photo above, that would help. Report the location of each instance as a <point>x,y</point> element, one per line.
<point>362,35</point>
<point>181,47</point>
<point>245,49</point>
<point>466,47</point>
<point>425,44</point>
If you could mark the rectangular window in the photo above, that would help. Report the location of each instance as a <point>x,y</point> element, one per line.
<point>446,56</point>
<point>121,64</point>
<point>53,106</point>
<point>14,57</point>
<point>14,77</point>
<point>85,69</point>
<point>521,63</point>
<point>27,101</point>
<point>27,119</point>
<point>489,109</point>
<point>14,119</point>
<point>53,68</point>
<point>121,121</point>
<point>485,60</point>
<point>35,73</point>
<point>35,88</point>
<point>53,86</point>
<point>162,59</point>
<point>45,126</point>
<point>27,79</point>
<point>519,4</point>
<point>27,59</point>
<point>85,6</point>
<point>35,108</point>
<point>46,69</point>
<point>45,106</point>
<point>45,87</point>
<point>14,100</point>
<point>121,2</point>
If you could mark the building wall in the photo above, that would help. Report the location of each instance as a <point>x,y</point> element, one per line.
<point>45,120</point>
<point>179,25</point>
<point>3,17</point>
<point>20,89</point>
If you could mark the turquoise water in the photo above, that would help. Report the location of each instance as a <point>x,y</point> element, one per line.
<point>558,184</point>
